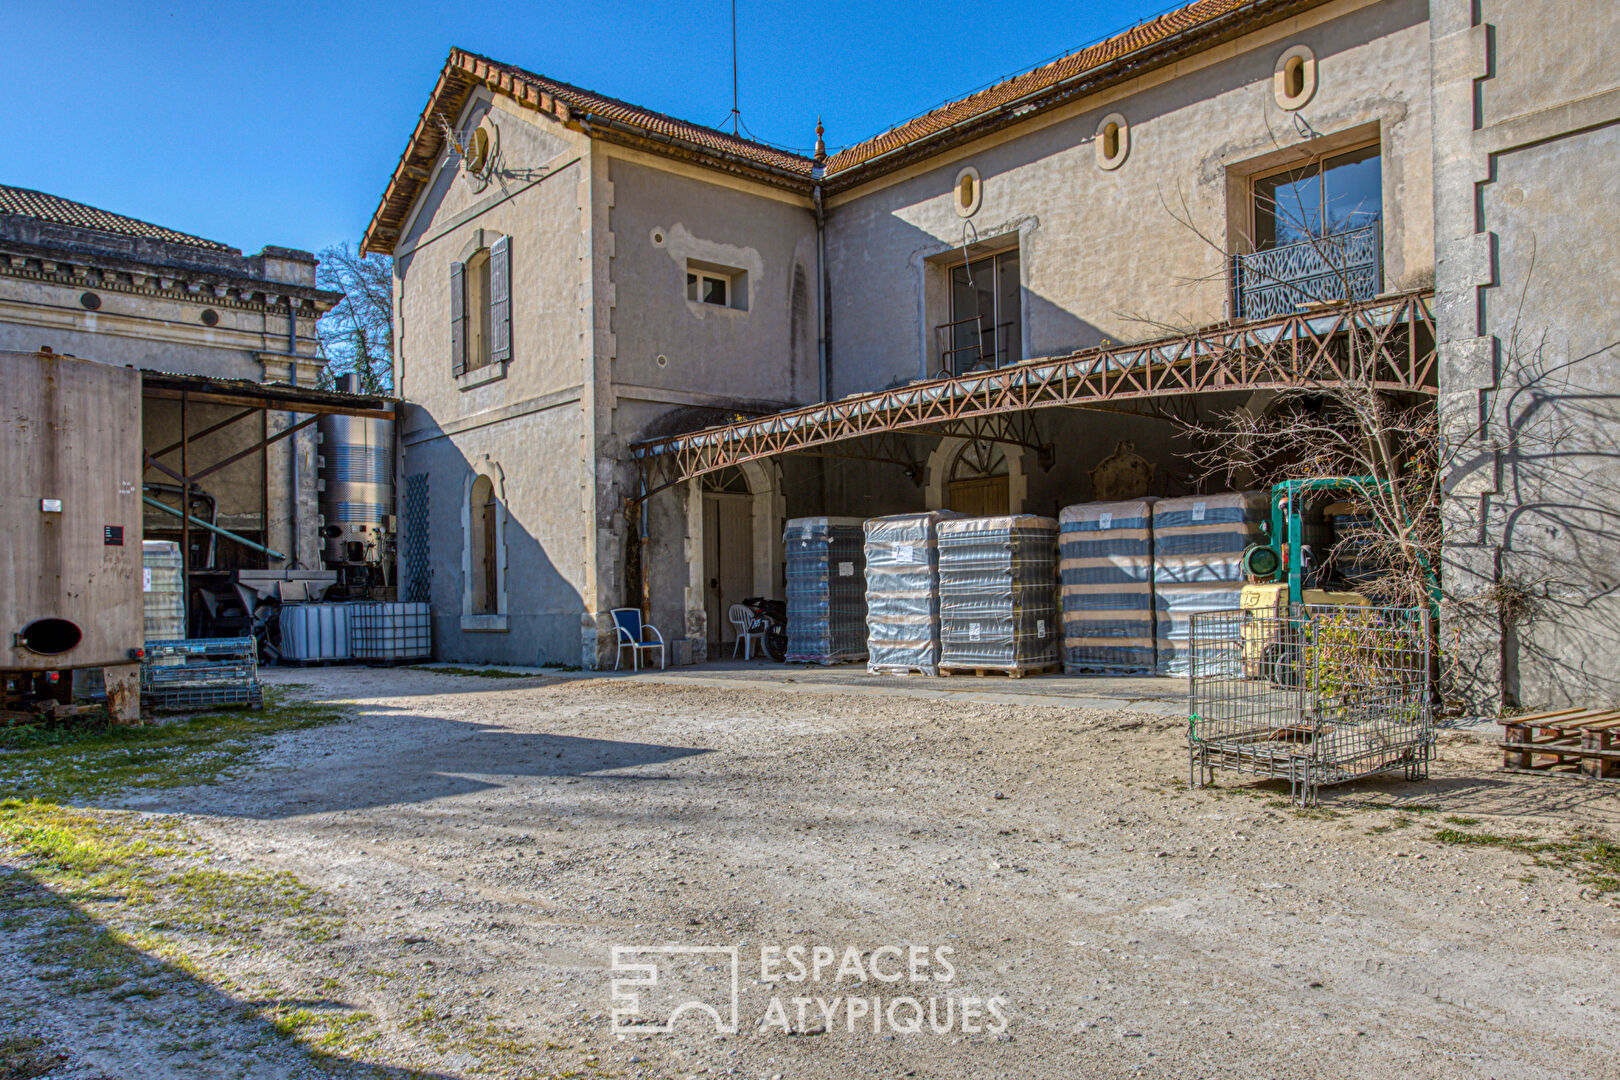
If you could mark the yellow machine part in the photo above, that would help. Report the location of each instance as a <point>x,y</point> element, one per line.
<point>1265,603</point>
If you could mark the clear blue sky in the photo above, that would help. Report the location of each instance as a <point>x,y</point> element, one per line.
<point>278,123</point>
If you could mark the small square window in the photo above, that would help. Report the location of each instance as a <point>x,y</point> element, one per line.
<point>716,286</point>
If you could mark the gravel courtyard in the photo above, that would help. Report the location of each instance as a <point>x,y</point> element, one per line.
<point>473,848</point>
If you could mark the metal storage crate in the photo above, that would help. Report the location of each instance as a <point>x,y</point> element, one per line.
<point>1106,569</point>
<point>385,633</point>
<point>902,592</point>
<point>192,673</point>
<point>826,590</point>
<point>1198,545</point>
<point>998,594</point>
<point>1316,695</point>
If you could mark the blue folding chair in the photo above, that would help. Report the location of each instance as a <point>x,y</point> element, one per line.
<point>633,636</point>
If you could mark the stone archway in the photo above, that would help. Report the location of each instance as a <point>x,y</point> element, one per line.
<point>942,463</point>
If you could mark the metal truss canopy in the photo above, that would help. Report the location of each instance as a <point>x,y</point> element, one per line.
<point>1386,343</point>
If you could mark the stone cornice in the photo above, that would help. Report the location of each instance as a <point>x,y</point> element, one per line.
<point>79,269</point>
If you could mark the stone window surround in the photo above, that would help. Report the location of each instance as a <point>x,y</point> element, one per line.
<point>476,621</point>
<point>495,371</point>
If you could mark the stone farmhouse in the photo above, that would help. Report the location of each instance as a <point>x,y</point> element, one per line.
<point>631,346</point>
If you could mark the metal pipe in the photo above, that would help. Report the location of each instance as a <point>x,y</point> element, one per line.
<point>821,294</point>
<point>292,445</point>
<point>187,519</point>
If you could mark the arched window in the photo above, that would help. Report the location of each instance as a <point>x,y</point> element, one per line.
<point>483,544</point>
<point>978,485</point>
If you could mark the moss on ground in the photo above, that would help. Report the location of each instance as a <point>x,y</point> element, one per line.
<point>82,759</point>
<point>490,672</point>
<point>1591,857</point>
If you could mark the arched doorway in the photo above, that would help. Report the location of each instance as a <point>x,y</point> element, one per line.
<point>728,550</point>
<point>978,484</point>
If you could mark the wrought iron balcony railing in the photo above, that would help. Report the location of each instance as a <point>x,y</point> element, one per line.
<point>972,344</point>
<point>1279,281</point>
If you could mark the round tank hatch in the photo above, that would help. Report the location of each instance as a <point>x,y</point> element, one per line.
<point>50,637</point>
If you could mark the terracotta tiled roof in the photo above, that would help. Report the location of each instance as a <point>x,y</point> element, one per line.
<point>1046,76</point>
<point>582,101</point>
<point>464,71</point>
<point>23,202</point>
<point>1207,20</point>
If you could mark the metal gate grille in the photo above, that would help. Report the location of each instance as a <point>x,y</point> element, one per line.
<point>1317,695</point>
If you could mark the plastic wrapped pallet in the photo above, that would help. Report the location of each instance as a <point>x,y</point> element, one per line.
<point>826,590</point>
<point>1198,544</point>
<point>998,594</point>
<point>164,612</point>
<point>1354,557</point>
<point>1106,567</point>
<point>902,592</point>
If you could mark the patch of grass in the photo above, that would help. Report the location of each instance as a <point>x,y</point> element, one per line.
<point>23,1058</point>
<point>1453,819</point>
<point>1591,857</point>
<point>486,672</point>
<point>83,759</point>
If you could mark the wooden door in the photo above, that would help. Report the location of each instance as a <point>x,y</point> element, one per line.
<point>728,559</point>
<point>987,497</point>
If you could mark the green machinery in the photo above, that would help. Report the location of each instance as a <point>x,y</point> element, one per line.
<point>1280,558</point>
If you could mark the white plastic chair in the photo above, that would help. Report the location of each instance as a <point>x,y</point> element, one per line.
<point>742,619</point>
<point>633,636</point>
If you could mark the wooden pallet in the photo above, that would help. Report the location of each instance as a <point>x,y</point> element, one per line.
<point>900,669</point>
<point>1011,673</point>
<point>1571,742</point>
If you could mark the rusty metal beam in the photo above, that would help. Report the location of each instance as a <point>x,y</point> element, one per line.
<point>1371,343</point>
<point>256,448</point>
<point>209,430</point>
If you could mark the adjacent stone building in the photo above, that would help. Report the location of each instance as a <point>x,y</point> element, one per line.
<point>102,286</point>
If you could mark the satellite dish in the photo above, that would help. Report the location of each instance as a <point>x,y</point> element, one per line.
<point>481,153</point>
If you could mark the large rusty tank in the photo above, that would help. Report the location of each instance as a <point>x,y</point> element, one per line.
<point>70,525</point>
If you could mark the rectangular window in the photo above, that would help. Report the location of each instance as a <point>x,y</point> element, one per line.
<point>1324,198</point>
<point>1318,236</point>
<point>717,286</point>
<point>986,326</point>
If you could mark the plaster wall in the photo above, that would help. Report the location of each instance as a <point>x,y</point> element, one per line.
<point>529,420</point>
<point>1128,253</point>
<point>1527,145</point>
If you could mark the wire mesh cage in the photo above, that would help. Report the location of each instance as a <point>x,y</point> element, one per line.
<point>1311,694</point>
<point>191,673</point>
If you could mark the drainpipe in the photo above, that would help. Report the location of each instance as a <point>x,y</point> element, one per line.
<point>821,296</point>
<point>292,443</point>
<point>817,172</point>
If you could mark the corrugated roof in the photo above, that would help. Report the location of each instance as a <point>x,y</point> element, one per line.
<point>24,202</point>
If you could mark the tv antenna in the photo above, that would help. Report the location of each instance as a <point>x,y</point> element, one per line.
<point>736,114</point>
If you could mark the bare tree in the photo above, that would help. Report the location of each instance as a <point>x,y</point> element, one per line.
<point>357,335</point>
